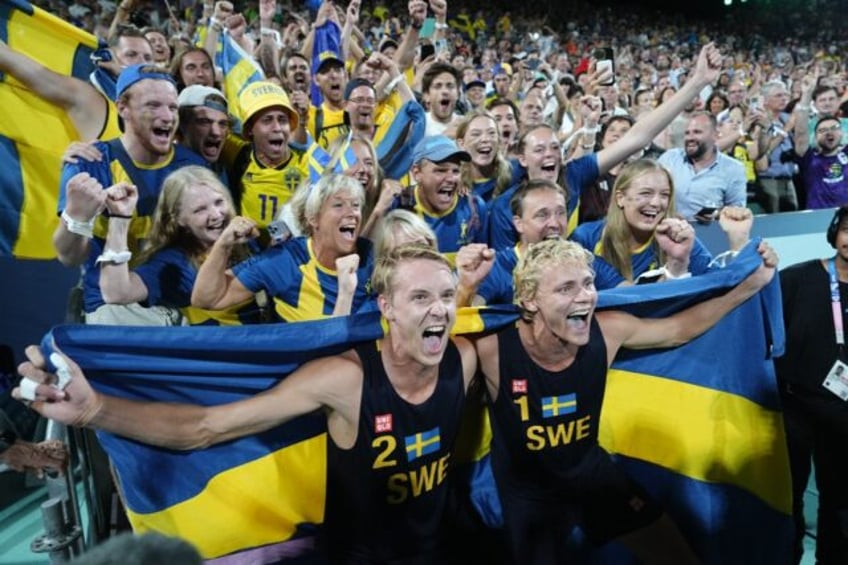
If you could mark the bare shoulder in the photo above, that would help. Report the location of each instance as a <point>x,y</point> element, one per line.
<point>331,379</point>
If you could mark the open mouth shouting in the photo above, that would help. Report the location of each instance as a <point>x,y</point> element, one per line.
<point>433,339</point>
<point>348,231</point>
<point>484,154</point>
<point>162,135</point>
<point>549,169</point>
<point>579,319</point>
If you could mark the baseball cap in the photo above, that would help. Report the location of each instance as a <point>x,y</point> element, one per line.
<point>355,83</point>
<point>261,95</point>
<point>199,95</point>
<point>325,58</point>
<point>438,149</point>
<point>387,42</point>
<point>135,73</point>
<point>473,83</point>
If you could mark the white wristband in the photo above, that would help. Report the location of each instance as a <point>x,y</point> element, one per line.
<point>85,229</point>
<point>114,257</point>
<point>595,129</point>
<point>392,84</point>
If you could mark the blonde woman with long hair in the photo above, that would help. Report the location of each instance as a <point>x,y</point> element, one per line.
<point>641,234</point>
<point>194,209</point>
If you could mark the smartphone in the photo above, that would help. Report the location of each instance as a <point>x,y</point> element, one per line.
<point>279,231</point>
<point>706,212</point>
<point>427,50</point>
<point>605,60</point>
<point>428,28</point>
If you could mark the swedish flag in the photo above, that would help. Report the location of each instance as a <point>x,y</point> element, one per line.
<point>553,406</point>
<point>239,70</point>
<point>422,443</point>
<point>702,432</point>
<point>33,132</point>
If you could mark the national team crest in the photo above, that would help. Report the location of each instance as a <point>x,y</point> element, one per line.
<point>519,386</point>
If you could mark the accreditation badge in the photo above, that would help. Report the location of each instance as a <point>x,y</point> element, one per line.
<point>837,380</point>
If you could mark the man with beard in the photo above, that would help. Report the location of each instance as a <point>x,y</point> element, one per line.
<point>381,399</point>
<point>143,156</point>
<point>457,220</point>
<point>822,163</point>
<point>204,123</point>
<point>295,71</point>
<point>440,85</point>
<point>704,178</point>
<point>540,153</point>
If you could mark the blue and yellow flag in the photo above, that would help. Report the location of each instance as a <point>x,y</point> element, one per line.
<point>422,443</point>
<point>239,69</point>
<point>393,144</point>
<point>33,132</point>
<point>699,426</point>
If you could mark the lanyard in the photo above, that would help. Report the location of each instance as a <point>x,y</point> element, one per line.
<point>836,302</point>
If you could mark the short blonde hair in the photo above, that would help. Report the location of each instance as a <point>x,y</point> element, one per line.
<point>401,222</point>
<point>308,199</point>
<point>538,258</point>
<point>382,279</point>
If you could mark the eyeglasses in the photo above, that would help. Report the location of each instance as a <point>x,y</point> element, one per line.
<point>831,129</point>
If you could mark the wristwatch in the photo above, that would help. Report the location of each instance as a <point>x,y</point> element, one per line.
<point>7,439</point>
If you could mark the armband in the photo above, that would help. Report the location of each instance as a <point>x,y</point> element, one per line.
<point>114,257</point>
<point>85,229</point>
<point>392,84</point>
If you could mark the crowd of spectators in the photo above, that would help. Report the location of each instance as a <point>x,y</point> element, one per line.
<point>471,129</point>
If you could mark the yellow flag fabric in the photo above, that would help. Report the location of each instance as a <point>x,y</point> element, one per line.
<point>33,132</point>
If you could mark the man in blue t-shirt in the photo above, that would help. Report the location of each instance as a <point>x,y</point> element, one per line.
<point>143,156</point>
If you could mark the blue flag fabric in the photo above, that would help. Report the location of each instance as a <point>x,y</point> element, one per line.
<point>239,69</point>
<point>33,132</point>
<point>698,425</point>
<point>326,44</point>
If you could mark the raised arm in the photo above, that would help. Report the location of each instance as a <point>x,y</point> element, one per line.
<point>86,108</point>
<point>216,287</point>
<point>330,382</point>
<point>640,135</point>
<point>85,199</point>
<point>405,53</point>
<point>118,284</point>
<point>802,115</point>
<point>623,330</point>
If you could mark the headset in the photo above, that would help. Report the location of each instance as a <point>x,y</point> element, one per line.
<point>838,216</point>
